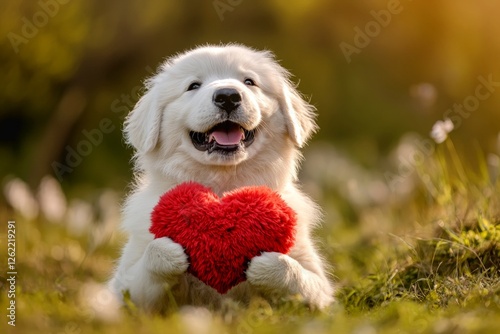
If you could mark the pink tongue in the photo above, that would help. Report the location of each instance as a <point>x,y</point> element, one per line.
<point>231,137</point>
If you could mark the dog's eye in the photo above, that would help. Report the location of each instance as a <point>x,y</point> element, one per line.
<point>249,82</point>
<point>194,85</point>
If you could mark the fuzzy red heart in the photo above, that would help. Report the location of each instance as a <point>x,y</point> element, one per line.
<point>221,235</point>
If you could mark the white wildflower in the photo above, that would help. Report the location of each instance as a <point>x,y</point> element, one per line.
<point>20,197</point>
<point>441,129</point>
<point>196,319</point>
<point>52,200</point>
<point>99,302</point>
<point>425,94</point>
<point>79,217</point>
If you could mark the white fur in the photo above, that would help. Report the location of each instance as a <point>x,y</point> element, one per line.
<point>158,128</point>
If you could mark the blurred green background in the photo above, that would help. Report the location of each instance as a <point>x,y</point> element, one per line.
<point>67,65</point>
<point>381,73</point>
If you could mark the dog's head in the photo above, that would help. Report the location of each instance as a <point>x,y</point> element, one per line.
<point>219,105</point>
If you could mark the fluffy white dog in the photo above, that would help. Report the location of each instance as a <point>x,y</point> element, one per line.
<point>226,117</point>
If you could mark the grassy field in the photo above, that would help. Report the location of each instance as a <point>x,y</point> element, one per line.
<point>414,250</point>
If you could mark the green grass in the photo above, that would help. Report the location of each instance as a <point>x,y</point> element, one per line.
<point>426,264</point>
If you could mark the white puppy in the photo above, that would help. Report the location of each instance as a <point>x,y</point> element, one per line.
<point>226,117</point>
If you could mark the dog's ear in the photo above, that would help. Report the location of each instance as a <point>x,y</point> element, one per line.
<point>299,115</point>
<point>142,125</point>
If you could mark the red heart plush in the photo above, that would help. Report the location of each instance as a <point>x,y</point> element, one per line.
<point>221,235</point>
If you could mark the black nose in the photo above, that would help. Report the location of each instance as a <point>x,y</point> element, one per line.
<point>227,99</point>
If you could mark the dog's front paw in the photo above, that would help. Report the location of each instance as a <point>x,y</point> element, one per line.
<point>273,271</point>
<point>165,258</point>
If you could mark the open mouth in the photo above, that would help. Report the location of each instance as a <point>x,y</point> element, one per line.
<point>226,137</point>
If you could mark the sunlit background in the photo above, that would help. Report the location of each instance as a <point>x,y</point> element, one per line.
<point>391,79</point>
<point>67,65</point>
